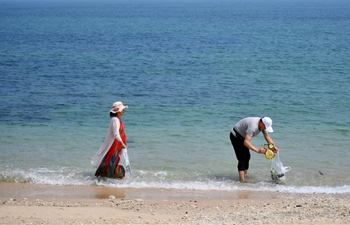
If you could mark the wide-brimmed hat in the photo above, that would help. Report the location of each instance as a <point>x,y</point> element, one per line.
<point>268,124</point>
<point>118,107</point>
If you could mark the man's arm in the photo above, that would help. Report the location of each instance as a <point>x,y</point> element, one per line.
<point>269,139</point>
<point>251,146</point>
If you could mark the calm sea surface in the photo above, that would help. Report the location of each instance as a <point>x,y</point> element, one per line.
<point>188,70</point>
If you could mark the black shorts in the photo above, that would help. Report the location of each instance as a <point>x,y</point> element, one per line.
<point>242,152</point>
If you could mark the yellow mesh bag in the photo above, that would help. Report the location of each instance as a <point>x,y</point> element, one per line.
<point>270,151</point>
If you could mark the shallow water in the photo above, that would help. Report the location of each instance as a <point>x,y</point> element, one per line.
<point>188,71</point>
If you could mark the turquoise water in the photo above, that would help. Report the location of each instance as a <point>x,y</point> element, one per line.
<point>188,72</point>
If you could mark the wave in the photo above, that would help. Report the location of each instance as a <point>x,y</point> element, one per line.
<point>163,180</point>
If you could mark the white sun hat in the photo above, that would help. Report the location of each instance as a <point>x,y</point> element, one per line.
<point>118,107</point>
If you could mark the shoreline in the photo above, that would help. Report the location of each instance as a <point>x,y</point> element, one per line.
<point>27,190</point>
<point>23,203</point>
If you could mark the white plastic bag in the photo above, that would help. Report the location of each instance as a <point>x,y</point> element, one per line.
<point>277,169</point>
<point>124,162</point>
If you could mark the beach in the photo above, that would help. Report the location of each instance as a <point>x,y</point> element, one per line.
<point>43,204</point>
<point>188,71</point>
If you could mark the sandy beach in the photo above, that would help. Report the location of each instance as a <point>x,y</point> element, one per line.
<point>43,204</point>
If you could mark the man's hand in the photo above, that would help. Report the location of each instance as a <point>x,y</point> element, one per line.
<point>262,151</point>
<point>276,149</point>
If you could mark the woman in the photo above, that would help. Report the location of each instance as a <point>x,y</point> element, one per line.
<point>107,157</point>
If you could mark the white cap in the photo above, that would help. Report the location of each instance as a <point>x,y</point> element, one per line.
<point>268,124</point>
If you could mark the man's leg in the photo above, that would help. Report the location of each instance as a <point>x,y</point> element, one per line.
<point>241,176</point>
<point>242,155</point>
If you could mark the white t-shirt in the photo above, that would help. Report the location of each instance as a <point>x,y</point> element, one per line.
<point>248,126</point>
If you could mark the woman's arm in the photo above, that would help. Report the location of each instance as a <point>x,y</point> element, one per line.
<point>116,134</point>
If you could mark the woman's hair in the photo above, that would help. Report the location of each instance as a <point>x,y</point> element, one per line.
<point>111,114</point>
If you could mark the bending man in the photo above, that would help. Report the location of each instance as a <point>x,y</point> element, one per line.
<point>241,135</point>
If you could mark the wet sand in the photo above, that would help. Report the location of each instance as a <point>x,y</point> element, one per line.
<point>45,204</point>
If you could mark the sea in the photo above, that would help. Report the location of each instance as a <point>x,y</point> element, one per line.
<point>188,70</point>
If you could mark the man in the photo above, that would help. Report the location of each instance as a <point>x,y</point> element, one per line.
<point>241,135</point>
